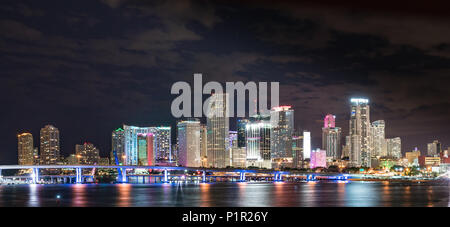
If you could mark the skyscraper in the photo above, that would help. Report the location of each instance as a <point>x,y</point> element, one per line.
<point>258,142</point>
<point>434,148</point>
<point>331,137</point>
<point>306,145</point>
<point>282,125</point>
<point>25,149</point>
<point>118,145</point>
<point>360,133</point>
<point>146,149</point>
<point>297,151</point>
<point>394,147</point>
<point>189,143</point>
<point>218,127</point>
<point>318,158</point>
<point>163,143</point>
<point>87,154</point>
<point>378,139</point>
<point>241,123</point>
<point>204,146</point>
<point>49,136</point>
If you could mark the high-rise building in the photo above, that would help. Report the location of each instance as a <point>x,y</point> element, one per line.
<point>26,149</point>
<point>331,137</point>
<point>87,154</point>
<point>163,143</point>
<point>118,146</point>
<point>241,123</point>
<point>258,142</point>
<point>218,128</point>
<point>282,124</point>
<point>204,146</point>
<point>239,157</point>
<point>394,147</point>
<point>189,142</point>
<point>318,158</point>
<point>413,157</point>
<point>297,151</point>
<point>346,148</point>
<point>378,139</point>
<point>434,148</point>
<point>146,149</point>
<point>360,133</point>
<point>49,137</point>
<point>306,145</point>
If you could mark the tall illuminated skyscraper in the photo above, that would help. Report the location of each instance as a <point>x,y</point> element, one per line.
<point>282,122</point>
<point>25,149</point>
<point>360,133</point>
<point>49,137</point>
<point>378,139</point>
<point>146,149</point>
<point>394,147</point>
<point>331,137</point>
<point>258,143</point>
<point>318,159</point>
<point>241,123</point>
<point>189,143</point>
<point>306,145</point>
<point>297,151</point>
<point>203,146</point>
<point>218,127</point>
<point>118,145</point>
<point>163,143</point>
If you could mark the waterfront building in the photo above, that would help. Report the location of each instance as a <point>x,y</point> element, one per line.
<point>434,148</point>
<point>118,146</point>
<point>189,142</point>
<point>394,147</point>
<point>425,161</point>
<point>297,151</point>
<point>87,154</point>
<point>217,122</point>
<point>163,145</point>
<point>413,157</point>
<point>360,133</point>
<point>239,157</point>
<point>241,123</point>
<point>104,161</point>
<point>72,159</point>
<point>318,159</point>
<point>146,149</point>
<point>25,149</point>
<point>378,139</point>
<point>331,137</point>
<point>49,145</point>
<point>258,142</point>
<point>306,145</point>
<point>203,146</point>
<point>282,126</point>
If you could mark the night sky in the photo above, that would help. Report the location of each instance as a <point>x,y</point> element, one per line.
<point>89,66</point>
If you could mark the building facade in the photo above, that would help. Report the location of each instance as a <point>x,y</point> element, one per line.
<point>331,137</point>
<point>118,146</point>
<point>394,147</point>
<point>434,148</point>
<point>360,154</point>
<point>25,149</point>
<point>318,159</point>
<point>282,126</point>
<point>49,145</point>
<point>189,143</point>
<point>87,154</point>
<point>217,123</point>
<point>258,143</point>
<point>378,139</point>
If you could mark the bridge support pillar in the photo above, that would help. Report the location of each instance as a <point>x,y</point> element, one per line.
<point>166,178</point>
<point>123,178</point>
<point>204,177</point>
<point>35,175</point>
<point>278,177</point>
<point>242,177</point>
<point>79,176</point>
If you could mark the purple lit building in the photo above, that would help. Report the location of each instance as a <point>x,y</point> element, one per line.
<point>318,158</point>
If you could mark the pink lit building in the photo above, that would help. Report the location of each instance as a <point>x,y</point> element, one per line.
<point>329,121</point>
<point>318,158</point>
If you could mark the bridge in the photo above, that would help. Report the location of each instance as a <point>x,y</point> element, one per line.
<point>122,170</point>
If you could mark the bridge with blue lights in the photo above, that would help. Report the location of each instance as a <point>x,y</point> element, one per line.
<point>123,178</point>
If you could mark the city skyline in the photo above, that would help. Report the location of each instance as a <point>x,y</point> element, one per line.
<point>87,77</point>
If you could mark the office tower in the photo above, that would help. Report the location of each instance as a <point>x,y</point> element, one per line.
<point>258,142</point>
<point>434,149</point>
<point>297,151</point>
<point>282,123</point>
<point>413,157</point>
<point>218,127</point>
<point>25,149</point>
<point>163,143</point>
<point>241,123</point>
<point>394,147</point>
<point>360,133</point>
<point>378,139</point>
<point>87,154</point>
<point>72,159</point>
<point>118,145</point>
<point>318,158</point>
<point>346,148</point>
<point>239,157</point>
<point>203,146</point>
<point>329,121</point>
<point>306,145</point>
<point>189,143</point>
<point>49,136</point>
<point>331,137</point>
<point>146,149</point>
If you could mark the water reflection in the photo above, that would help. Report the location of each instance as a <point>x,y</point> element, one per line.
<point>79,195</point>
<point>124,195</point>
<point>205,195</point>
<point>33,200</point>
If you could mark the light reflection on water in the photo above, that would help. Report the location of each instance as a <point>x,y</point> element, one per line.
<point>280,194</point>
